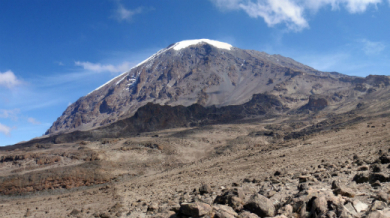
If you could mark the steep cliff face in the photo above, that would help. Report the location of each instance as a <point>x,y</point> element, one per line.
<point>205,72</point>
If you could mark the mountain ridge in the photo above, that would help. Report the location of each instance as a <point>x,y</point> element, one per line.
<point>197,72</point>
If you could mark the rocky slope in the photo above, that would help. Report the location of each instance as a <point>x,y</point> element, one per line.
<point>205,72</point>
<point>335,167</point>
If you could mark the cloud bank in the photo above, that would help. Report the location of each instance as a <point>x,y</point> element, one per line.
<point>5,129</point>
<point>8,79</point>
<point>104,68</point>
<point>291,12</point>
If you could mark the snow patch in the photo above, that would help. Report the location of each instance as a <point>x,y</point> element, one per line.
<point>187,43</point>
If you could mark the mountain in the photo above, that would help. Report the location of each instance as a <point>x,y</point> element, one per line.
<point>207,126</point>
<point>202,71</point>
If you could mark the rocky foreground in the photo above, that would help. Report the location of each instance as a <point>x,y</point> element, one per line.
<point>320,192</point>
<point>237,170</point>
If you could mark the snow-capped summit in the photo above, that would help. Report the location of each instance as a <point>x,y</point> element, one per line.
<point>202,71</point>
<point>187,43</point>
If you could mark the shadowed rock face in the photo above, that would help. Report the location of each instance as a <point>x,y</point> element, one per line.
<point>315,103</point>
<point>199,74</point>
<point>152,117</point>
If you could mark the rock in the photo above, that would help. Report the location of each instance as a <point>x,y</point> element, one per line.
<point>359,206</point>
<point>363,168</point>
<point>376,184</point>
<point>319,207</point>
<point>260,205</point>
<point>303,179</point>
<point>378,205</point>
<point>247,214</point>
<point>196,209</point>
<point>74,212</point>
<point>104,215</point>
<point>377,177</point>
<point>351,209</point>
<point>153,208</point>
<point>28,213</point>
<point>232,197</point>
<point>344,191</point>
<point>286,210</point>
<point>303,187</point>
<point>376,214</point>
<point>205,189</point>
<point>224,211</point>
<point>169,214</point>
<point>384,159</point>
<point>361,177</point>
<point>376,168</point>
<point>382,196</point>
<point>335,184</point>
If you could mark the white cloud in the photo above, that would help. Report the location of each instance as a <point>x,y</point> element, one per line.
<point>275,12</point>
<point>5,129</point>
<point>124,14</point>
<point>33,121</point>
<point>104,68</point>
<point>290,12</point>
<point>59,63</point>
<point>372,48</point>
<point>8,79</point>
<point>12,114</point>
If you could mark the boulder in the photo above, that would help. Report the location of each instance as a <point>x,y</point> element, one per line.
<point>196,209</point>
<point>319,207</point>
<point>260,205</point>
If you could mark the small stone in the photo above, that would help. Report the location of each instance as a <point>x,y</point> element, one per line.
<point>205,189</point>
<point>74,212</point>
<point>359,206</point>
<point>247,214</point>
<point>335,184</point>
<point>350,209</point>
<point>224,211</point>
<point>363,168</point>
<point>378,205</point>
<point>344,191</point>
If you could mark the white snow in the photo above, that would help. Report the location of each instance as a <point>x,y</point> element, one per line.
<point>187,43</point>
<point>178,46</point>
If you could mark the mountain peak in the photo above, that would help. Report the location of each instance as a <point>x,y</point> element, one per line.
<point>186,43</point>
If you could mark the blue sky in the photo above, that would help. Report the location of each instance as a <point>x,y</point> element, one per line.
<point>54,52</point>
